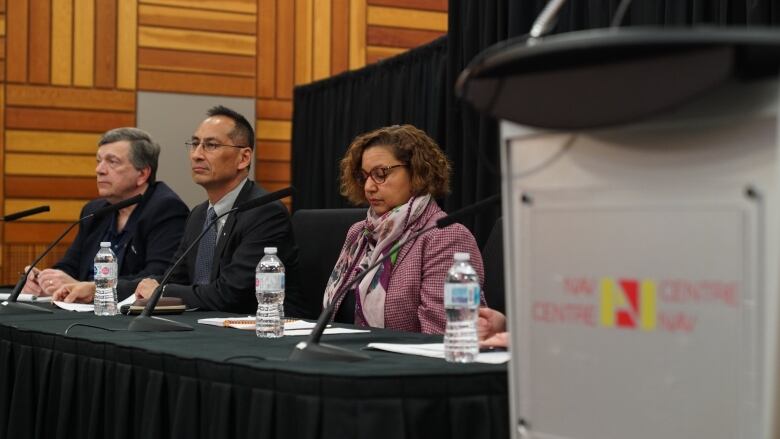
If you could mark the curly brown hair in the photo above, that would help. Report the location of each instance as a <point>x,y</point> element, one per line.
<point>428,167</point>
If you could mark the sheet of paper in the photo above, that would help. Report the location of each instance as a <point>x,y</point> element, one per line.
<point>26,297</point>
<point>291,328</point>
<point>78,307</point>
<point>128,301</point>
<point>436,350</point>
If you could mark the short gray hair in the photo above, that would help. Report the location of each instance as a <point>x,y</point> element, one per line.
<point>143,150</point>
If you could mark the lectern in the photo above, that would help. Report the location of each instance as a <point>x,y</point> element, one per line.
<point>641,204</point>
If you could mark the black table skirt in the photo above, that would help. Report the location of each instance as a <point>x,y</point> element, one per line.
<point>219,383</point>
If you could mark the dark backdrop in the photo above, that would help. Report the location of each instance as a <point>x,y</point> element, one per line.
<point>418,88</point>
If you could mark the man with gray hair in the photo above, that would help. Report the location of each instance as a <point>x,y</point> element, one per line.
<point>144,236</point>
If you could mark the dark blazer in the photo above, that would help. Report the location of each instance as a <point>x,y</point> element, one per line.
<point>155,232</point>
<point>239,249</point>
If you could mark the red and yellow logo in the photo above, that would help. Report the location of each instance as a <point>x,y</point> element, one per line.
<point>628,303</point>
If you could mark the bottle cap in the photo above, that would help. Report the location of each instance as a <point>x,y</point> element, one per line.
<point>105,245</point>
<point>270,250</point>
<point>462,256</point>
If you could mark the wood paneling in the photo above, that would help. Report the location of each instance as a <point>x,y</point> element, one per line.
<point>61,210</point>
<point>407,18</point>
<point>376,53</point>
<point>105,43</point>
<point>61,42</point>
<point>321,41</point>
<point>266,48</point>
<point>173,17</point>
<point>40,38</point>
<point>33,231</point>
<point>51,141</point>
<point>196,62</point>
<point>66,120</point>
<point>395,37</point>
<point>195,83</point>
<point>274,109</point>
<point>273,151</point>
<point>285,37</point>
<point>433,5</point>
<point>357,34</point>
<point>50,164</point>
<point>127,44</point>
<point>54,187</point>
<point>198,41</point>
<point>273,171</point>
<point>84,43</point>
<point>274,129</point>
<point>59,97</point>
<point>339,37</point>
<point>17,17</point>
<point>245,6</point>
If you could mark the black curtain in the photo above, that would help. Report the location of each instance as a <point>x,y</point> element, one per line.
<point>418,88</point>
<point>328,114</point>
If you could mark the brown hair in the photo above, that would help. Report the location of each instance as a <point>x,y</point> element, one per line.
<point>427,165</point>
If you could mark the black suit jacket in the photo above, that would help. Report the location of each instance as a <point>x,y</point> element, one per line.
<point>153,236</point>
<point>239,249</point>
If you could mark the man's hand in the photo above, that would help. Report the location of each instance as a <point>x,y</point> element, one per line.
<point>31,286</point>
<point>489,323</point>
<point>79,292</point>
<point>145,288</point>
<point>51,280</point>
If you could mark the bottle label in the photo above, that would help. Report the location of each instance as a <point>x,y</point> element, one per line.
<point>456,295</point>
<point>269,281</point>
<point>105,270</point>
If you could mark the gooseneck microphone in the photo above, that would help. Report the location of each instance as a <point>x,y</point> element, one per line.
<point>25,213</point>
<point>11,306</point>
<point>313,350</point>
<point>144,322</point>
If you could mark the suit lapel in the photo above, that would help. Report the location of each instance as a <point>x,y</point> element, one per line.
<point>197,219</point>
<point>227,229</point>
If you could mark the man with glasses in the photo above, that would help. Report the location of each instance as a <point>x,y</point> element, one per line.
<point>220,273</point>
<point>144,236</point>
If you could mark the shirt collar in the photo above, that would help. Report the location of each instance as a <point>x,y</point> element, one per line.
<point>226,203</point>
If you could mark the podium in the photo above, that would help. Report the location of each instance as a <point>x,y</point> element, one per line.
<point>641,204</point>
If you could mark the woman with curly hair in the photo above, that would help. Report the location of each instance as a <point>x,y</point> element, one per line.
<point>399,172</point>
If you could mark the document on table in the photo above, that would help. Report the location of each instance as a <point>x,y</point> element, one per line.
<point>88,307</point>
<point>26,297</point>
<point>436,350</point>
<point>292,328</point>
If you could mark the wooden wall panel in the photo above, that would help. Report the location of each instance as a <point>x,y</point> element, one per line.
<point>84,43</point>
<point>40,38</point>
<point>266,49</point>
<point>339,37</point>
<point>127,44</point>
<point>16,40</point>
<point>105,44</point>
<point>17,186</point>
<point>433,5</point>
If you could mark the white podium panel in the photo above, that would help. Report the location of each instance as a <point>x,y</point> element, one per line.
<point>642,274</point>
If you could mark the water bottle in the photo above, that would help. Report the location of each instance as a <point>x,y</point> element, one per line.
<point>105,281</point>
<point>461,301</point>
<point>269,288</point>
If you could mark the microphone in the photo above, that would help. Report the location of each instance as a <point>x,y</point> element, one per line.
<point>313,350</point>
<point>11,306</point>
<point>546,19</point>
<point>25,213</point>
<point>144,322</point>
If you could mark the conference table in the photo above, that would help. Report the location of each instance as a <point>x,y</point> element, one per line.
<point>216,382</point>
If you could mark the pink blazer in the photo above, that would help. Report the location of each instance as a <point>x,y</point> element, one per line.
<point>415,295</point>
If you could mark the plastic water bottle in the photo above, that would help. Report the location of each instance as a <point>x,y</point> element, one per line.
<point>269,288</point>
<point>105,281</point>
<point>461,301</point>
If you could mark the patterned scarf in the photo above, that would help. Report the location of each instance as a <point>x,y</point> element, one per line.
<point>378,236</point>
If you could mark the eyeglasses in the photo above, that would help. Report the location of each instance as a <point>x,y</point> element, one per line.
<point>378,174</point>
<point>208,146</point>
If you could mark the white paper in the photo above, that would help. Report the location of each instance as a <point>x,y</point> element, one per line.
<point>128,301</point>
<point>436,350</point>
<point>292,328</point>
<point>26,297</point>
<point>78,307</point>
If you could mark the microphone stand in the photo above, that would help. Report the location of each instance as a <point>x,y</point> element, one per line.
<point>11,306</point>
<point>313,350</point>
<point>145,322</point>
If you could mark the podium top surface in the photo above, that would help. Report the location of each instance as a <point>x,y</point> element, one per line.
<point>607,77</point>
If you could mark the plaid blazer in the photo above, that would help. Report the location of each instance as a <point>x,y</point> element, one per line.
<point>415,295</point>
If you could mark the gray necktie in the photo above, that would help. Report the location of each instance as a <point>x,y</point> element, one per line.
<point>206,250</point>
